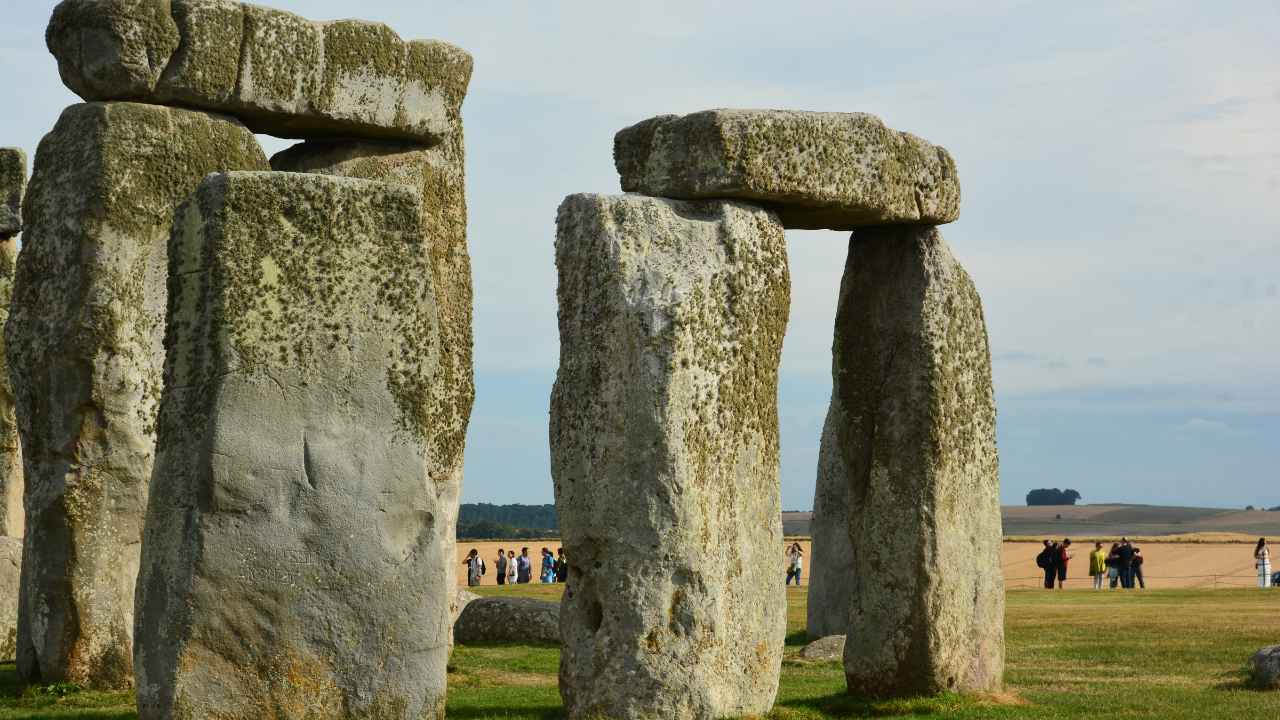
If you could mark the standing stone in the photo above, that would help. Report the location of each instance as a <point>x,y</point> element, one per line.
<point>664,453</point>
<point>916,420</point>
<point>292,566</point>
<point>831,568</point>
<point>13,181</point>
<point>10,576</point>
<point>815,169</point>
<point>438,172</point>
<point>277,72</point>
<point>84,343</point>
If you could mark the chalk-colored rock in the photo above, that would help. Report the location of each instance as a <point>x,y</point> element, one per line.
<point>277,72</point>
<point>664,454</point>
<point>817,170</point>
<point>438,173</point>
<point>292,563</point>
<point>831,570</point>
<point>912,378</point>
<point>508,620</point>
<point>12,517</point>
<point>84,343</point>
<point>825,649</point>
<point>10,577</point>
<point>13,183</point>
<point>1264,668</point>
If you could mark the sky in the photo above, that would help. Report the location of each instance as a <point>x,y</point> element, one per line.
<point>1120,168</point>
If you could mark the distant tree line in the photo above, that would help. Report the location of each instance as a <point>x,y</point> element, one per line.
<point>477,521</point>
<point>1052,496</point>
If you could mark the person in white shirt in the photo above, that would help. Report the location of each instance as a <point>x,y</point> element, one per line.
<point>511,567</point>
<point>1262,560</point>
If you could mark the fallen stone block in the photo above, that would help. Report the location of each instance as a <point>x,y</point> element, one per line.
<point>1264,668</point>
<point>508,620</point>
<point>825,649</point>
<point>816,170</point>
<point>911,375</point>
<point>84,343</point>
<point>278,73</point>
<point>292,563</point>
<point>13,183</point>
<point>664,455</point>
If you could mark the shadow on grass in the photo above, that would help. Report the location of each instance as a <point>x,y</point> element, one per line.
<point>544,712</point>
<point>844,705</point>
<point>797,639</point>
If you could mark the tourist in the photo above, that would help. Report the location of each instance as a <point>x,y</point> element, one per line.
<point>1262,560</point>
<point>512,565</point>
<point>795,566</point>
<point>548,574</point>
<point>1126,564</point>
<point>1047,561</point>
<point>1137,570</point>
<point>501,566</point>
<point>1113,565</point>
<point>1098,565</point>
<point>475,568</point>
<point>562,566</point>
<point>1063,558</point>
<point>524,572</point>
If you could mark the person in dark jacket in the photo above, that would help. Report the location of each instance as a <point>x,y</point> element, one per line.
<point>1047,560</point>
<point>1126,564</point>
<point>501,564</point>
<point>1137,570</point>
<point>1113,565</point>
<point>562,566</point>
<point>1063,557</point>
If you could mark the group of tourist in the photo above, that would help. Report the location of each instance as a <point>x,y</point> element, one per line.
<point>1121,566</point>
<point>515,569</point>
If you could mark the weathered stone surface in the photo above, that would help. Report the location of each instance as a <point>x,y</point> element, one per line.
<point>916,436</point>
<point>292,501</point>
<point>816,170</point>
<point>84,343</point>
<point>439,173</point>
<point>13,182</point>
<point>112,49</point>
<point>277,72</point>
<point>825,649</point>
<point>1264,668</point>
<point>11,513</point>
<point>10,575</point>
<point>508,620</point>
<point>831,570</point>
<point>664,453</point>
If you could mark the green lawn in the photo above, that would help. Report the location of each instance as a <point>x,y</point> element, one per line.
<point>1158,654</point>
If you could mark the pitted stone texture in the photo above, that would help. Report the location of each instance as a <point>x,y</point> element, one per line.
<point>13,182</point>
<point>831,571</point>
<point>84,343</point>
<point>912,376</point>
<point>12,518</point>
<point>1264,668</point>
<point>292,499</point>
<point>10,578</point>
<point>664,453</point>
<point>439,173</point>
<point>816,170</point>
<point>508,620</point>
<point>279,73</point>
<point>829,648</point>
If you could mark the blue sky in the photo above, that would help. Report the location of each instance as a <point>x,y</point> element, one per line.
<point>1120,166</point>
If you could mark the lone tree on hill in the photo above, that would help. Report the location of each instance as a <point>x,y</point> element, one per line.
<point>1052,496</point>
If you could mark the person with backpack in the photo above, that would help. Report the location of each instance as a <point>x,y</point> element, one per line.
<point>1047,562</point>
<point>1098,565</point>
<point>475,568</point>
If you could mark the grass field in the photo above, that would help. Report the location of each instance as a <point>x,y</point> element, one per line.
<point>1165,654</point>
